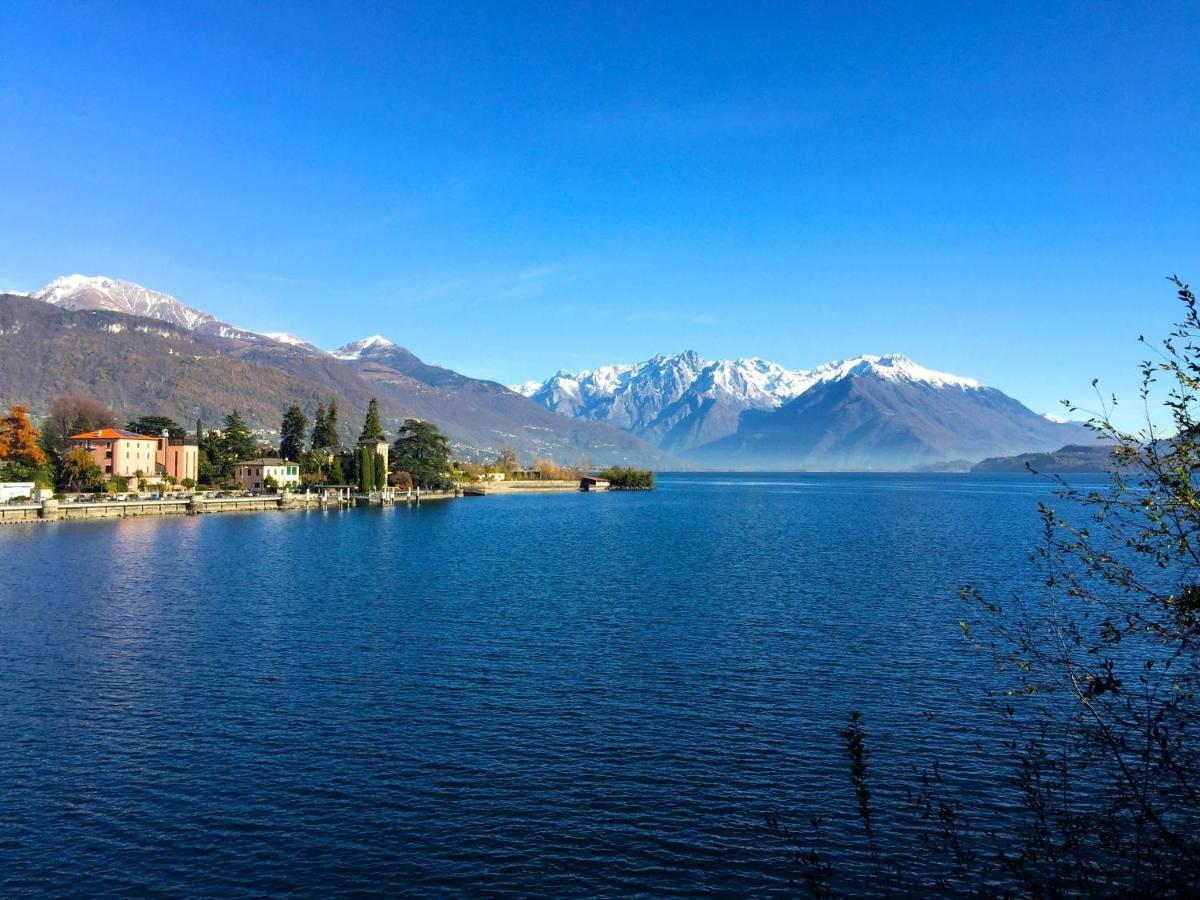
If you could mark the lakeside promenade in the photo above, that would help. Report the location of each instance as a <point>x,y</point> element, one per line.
<point>203,504</point>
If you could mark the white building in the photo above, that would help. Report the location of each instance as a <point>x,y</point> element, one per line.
<point>10,490</point>
<point>252,474</point>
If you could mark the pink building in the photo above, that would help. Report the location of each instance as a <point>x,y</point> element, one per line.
<point>121,453</point>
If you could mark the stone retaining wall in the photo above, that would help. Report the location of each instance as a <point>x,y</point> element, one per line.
<point>199,504</point>
<point>23,512</point>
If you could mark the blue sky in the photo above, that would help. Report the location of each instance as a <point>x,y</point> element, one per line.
<point>996,190</point>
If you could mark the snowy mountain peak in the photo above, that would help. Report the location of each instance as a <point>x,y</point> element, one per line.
<point>358,349</point>
<point>891,367</point>
<point>282,337</point>
<point>291,340</point>
<point>681,399</point>
<point>527,388</point>
<point>114,295</point>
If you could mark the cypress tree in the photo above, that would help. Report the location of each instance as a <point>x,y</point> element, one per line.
<point>366,470</point>
<point>372,429</point>
<point>380,472</point>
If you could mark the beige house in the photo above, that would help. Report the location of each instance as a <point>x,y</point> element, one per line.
<point>252,474</point>
<point>122,454</point>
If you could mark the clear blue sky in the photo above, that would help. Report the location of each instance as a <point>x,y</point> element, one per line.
<point>996,190</point>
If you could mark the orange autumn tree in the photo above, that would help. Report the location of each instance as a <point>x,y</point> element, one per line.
<point>19,439</point>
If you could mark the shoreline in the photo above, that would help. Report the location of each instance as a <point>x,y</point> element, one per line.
<point>47,511</point>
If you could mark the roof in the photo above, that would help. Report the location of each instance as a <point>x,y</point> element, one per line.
<point>266,461</point>
<point>110,434</point>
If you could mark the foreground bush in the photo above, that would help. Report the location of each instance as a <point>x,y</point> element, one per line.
<point>1097,678</point>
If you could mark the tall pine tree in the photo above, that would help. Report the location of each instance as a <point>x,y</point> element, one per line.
<point>325,435</point>
<point>236,440</point>
<point>318,432</point>
<point>332,439</point>
<point>372,429</point>
<point>424,453</point>
<point>291,434</point>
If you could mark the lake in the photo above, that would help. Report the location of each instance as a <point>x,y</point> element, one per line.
<point>586,694</point>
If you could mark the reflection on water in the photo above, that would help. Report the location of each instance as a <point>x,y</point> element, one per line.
<point>549,695</point>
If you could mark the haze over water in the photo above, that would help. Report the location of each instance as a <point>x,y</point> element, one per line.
<point>551,695</point>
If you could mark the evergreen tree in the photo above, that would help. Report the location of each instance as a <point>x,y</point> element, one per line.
<point>325,435</point>
<point>236,440</point>
<point>291,439</point>
<point>199,430</point>
<point>423,452</point>
<point>82,423</point>
<point>213,466</point>
<point>336,474</point>
<point>332,439</point>
<point>380,472</point>
<point>366,469</point>
<point>154,426</point>
<point>318,432</point>
<point>372,429</point>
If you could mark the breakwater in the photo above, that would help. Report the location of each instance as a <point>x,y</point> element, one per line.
<point>546,485</point>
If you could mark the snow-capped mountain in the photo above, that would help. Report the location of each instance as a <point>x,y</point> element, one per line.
<point>97,292</point>
<point>142,351</point>
<point>364,347</point>
<point>744,412</point>
<point>291,340</point>
<point>685,401</point>
<point>865,412</point>
<point>653,398</point>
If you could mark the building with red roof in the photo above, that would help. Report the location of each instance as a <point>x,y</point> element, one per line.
<point>122,454</point>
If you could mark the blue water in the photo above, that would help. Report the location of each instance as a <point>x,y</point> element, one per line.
<point>561,695</point>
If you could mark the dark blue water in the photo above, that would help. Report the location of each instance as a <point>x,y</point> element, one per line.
<point>544,695</point>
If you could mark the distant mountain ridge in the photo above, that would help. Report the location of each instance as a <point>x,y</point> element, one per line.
<point>865,412</point>
<point>146,352</point>
<point>1073,458</point>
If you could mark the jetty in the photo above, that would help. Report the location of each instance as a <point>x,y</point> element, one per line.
<point>526,486</point>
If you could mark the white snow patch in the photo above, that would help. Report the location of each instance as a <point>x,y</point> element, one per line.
<point>358,349</point>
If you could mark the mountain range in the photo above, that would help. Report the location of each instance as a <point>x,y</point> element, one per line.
<point>870,412</point>
<point>145,352</point>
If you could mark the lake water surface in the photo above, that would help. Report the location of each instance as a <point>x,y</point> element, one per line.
<point>544,695</point>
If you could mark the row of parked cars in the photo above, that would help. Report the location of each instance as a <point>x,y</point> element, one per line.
<point>148,495</point>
